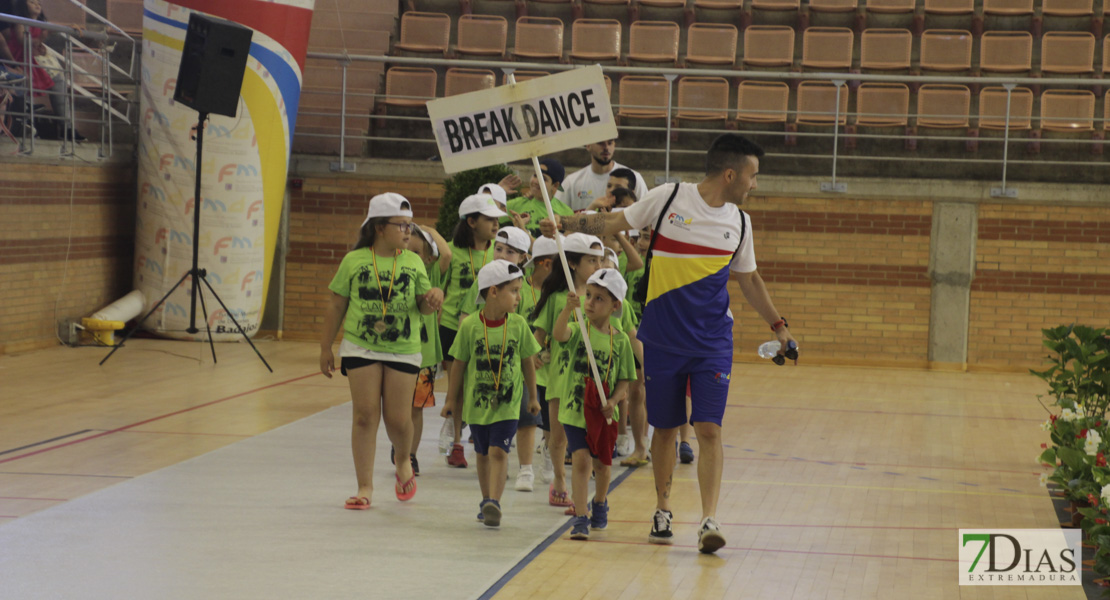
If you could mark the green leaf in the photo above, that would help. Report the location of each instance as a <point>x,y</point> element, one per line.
<point>1074,459</point>
<point>1049,456</point>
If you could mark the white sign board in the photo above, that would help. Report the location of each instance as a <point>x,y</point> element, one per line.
<point>521,120</point>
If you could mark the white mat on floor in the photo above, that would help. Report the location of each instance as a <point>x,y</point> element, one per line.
<point>262,518</point>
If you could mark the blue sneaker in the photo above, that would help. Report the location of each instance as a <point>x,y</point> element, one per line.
<point>581,528</point>
<point>481,516</point>
<point>491,513</point>
<point>599,515</point>
<point>685,453</point>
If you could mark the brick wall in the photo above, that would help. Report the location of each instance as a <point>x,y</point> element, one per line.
<point>324,219</point>
<point>40,226</point>
<point>1037,267</point>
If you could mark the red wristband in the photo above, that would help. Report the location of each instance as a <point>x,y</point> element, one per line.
<point>779,324</point>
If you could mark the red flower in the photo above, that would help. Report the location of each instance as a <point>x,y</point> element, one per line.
<point>1092,499</point>
<point>1100,521</point>
<point>1052,418</point>
<point>1044,445</point>
<point>1082,434</point>
<point>1100,460</point>
<point>1098,423</point>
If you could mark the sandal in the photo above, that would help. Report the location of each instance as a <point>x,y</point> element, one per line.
<point>357,503</point>
<point>635,462</point>
<point>558,498</point>
<point>400,488</point>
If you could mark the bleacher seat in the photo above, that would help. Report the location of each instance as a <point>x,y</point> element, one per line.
<point>65,12</point>
<point>992,108</point>
<point>1006,51</point>
<point>817,103</point>
<point>596,40</point>
<point>832,5</point>
<point>126,14</point>
<point>416,84</point>
<point>1068,52</point>
<point>891,6</point>
<point>1067,8</point>
<point>662,3</point>
<point>1106,53</point>
<point>883,104</point>
<point>885,49</point>
<point>827,48</point>
<point>1009,8</point>
<point>945,50</point>
<point>482,35</point>
<point>462,81</point>
<point>653,41</point>
<point>424,32</point>
<point>539,38</point>
<point>522,76</point>
<point>762,101</point>
<point>711,44</point>
<point>1068,110</point>
<point>703,98</point>
<point>769,46</point>
<point>719,4</point>
<point>949,7</point>
<point>943,105</point>
<point>775,5</point>
<point>643,97</point>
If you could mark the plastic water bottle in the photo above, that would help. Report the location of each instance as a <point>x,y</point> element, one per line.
<point>771,350</point>
<point>447,436</point>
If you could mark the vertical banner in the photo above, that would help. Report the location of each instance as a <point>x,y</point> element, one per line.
<point>246,159</point>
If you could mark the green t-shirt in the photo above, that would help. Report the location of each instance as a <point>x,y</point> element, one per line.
<point>528,297</point>
<point>431,351</point>
<point>633,279</point>
<point>622,262</point>
<point>399,280</point>
<point>537,211</point>
<point>487,399</point>
<point>613,355</point>
<point>546,321</point>
<point>460,277</point>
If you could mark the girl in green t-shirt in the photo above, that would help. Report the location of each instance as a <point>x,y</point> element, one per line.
<point>471,248</point>
<point>583,254</point>
<point>378,296</point>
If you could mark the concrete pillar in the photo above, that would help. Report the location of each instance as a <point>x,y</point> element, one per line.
<point>951,269</point>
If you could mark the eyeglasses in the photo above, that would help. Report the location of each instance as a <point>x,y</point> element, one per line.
<point>404,227</point>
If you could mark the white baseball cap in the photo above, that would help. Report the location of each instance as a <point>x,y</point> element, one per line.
<point>496,191</point>
<point>515,237</point>
<point>543,246</point>
<point>481,203</point>
<point>496,272</point>
<point>389,204</point>
<point>431,241</point>
<point>611,280</point>
<point>612,255</point>
<point>581,243</point>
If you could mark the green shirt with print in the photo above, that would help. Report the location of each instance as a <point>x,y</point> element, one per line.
<point>431,351</point>
<point>493,385</point>
<point>536,210</point>
<point>460,277</point>
<point>399,280</point>
<point>633,279</point>
<point>613,354</point>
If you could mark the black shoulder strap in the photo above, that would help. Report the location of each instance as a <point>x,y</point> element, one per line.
<point>659,222</point>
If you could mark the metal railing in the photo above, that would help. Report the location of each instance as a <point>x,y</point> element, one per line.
<point>835,130</point>
<point>22,91</point>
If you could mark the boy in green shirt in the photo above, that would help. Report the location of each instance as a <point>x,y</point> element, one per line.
<point>490,392</point>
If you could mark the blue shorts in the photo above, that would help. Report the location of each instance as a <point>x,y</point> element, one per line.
<point>576,439</point>
<point>545,413</point>
<point>665,379</point>
<point>496,435</point>
<point>528,419</point>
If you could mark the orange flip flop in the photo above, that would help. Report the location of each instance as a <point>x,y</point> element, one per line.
<point>400,488</point>
<point>357,503</point>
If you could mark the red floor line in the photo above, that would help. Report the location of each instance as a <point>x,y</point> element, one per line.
<point>881,412</point>
<point>158,418</point>
<point>801,525</point>
<point>864,464</point>
<point>737,549</point>
<point>43,499</point>
<point>187,433</point>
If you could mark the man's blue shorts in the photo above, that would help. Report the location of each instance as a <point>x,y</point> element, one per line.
<point>665,377</point>
<point>495,435</point>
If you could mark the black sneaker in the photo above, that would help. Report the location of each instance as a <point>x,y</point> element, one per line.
<point>661,528</point>
<point>415,465</point>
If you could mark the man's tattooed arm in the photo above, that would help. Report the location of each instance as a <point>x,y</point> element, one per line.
<point>591,224</point>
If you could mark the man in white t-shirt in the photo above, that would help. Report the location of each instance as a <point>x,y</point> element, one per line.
<point>582,187</point>
<point>701,240</point>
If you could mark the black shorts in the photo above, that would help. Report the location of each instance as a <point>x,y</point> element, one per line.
<point>545,419</point>
<point>354,362</point>
<point>446,340</point>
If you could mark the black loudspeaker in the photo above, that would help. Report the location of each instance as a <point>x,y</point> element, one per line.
<point>213,62</point>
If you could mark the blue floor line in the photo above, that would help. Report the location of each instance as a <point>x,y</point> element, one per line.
<point>555,535</point>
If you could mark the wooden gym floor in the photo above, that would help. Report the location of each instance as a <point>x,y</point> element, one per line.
<point>838,482</point>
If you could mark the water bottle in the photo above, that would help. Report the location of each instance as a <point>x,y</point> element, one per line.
<point>771,350</point>
<point>447,436</point>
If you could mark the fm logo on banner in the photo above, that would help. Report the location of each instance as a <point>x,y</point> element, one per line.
<point>521,120</point>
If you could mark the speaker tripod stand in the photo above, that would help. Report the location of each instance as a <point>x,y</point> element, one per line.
<point>197,274</point>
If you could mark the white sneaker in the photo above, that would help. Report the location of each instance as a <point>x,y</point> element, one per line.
<point>525,481</point>
<point>710,538</point>
<point>548,472</point>
<point>621,447</point>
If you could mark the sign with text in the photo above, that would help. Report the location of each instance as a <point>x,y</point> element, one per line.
<point>1020,557</point>
<point>521,120</point>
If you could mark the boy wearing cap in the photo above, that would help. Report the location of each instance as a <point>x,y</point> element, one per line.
<point>489,377</point>
<point>531,206</point>
<point>612,351</point>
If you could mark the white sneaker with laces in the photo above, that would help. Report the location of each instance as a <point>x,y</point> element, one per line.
<point>709,536</point>
<point>525,480</point>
